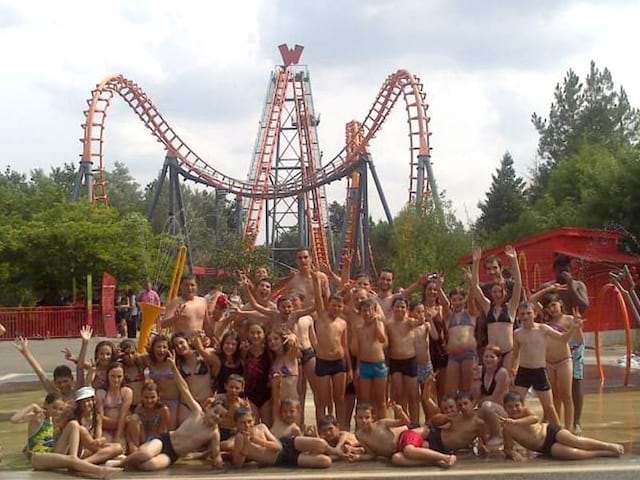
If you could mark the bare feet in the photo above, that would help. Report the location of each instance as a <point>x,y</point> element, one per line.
<point>616,448</point>
<point>449,462</point>
<point>577,430</point>
<point>108,472</point>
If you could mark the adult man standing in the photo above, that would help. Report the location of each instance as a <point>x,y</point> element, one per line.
<point>302,281</point>
<point>573,294</point>
<point>188,313</point>
<point>149,295</point>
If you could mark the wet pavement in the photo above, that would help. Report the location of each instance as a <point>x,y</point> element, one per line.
<point>611,413</point>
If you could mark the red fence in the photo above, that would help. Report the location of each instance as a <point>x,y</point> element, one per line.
<point>48,322</point>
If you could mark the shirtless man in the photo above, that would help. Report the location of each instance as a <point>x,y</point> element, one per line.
<point>403,366</point>
<point>256,443</point>
<point>302,281</point>
<point>188,313</point>
<point>385,295</point>
<point>199,430</point>
<point>369,342</point>
<point>549,440</point>
<point>529,362</point>
<point>333,362</point>
<point>390,438</point>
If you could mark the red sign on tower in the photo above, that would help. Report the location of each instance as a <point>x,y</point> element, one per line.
<point>290,56</point>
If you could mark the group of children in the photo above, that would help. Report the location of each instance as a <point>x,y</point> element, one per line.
<point>223,381</point>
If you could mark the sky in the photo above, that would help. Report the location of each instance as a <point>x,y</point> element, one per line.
<point>486,67</point>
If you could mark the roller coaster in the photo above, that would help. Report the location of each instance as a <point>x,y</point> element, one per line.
<point>286,179</point>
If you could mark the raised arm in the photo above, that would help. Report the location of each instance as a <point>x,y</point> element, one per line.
<point>317,294</point>
<point>185,394</point>
<point>478,294</point>
<point>85,333</point>
<point>577,291</point>
<point>331,275</point>
<point>517,281</point>
<point>27,414</point>
<point>22,345</point>
<point>208,354</point>
<point>443,299</point>
<point>244,284</point>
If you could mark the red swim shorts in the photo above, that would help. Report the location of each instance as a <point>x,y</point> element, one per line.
<point>409,437</point>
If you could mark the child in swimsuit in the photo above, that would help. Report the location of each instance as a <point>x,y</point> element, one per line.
<point>41,420</point>
<point>257,366</point>
<point>283,349</point>
<point>550,440</point>
<point>112,405</point>
<point>230,360</point>
<point>344,442</point>
<point>133,370</point>
<point>104,355</point>
<point>162,374</point>
<point>150,419</point>
<point>231,400</point>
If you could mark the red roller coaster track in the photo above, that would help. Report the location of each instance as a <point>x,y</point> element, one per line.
<point>400,83</point>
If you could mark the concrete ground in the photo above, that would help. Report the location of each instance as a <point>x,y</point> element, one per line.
<point>611,413</point>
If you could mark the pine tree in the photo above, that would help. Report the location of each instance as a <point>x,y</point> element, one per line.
<point>505,199</point>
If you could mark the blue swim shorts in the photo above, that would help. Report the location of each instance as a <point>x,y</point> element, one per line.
<point>372,370</point>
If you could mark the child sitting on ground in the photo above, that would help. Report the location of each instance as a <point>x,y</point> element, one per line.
<point>549,440</point>
<point>257,443</point>
<point>200,429</point>
<point>231,400</point>
<point>151,418</point>
<point>343,441</point>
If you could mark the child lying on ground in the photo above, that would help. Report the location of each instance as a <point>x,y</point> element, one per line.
<point>390,438</point>
<point>548,439</point>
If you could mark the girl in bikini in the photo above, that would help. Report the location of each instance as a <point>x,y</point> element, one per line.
<point>133,370</point>
<point>257,366</point>
<point>558,359</point>
<point>195,368</point>
<point>161,372</point>
<point>150,420</point>
<point>499,313</point>
<point>94,448</point>
<point>104,354</point>
<point>284,351</point>
<point>462,345</point>
<point>112,405</point>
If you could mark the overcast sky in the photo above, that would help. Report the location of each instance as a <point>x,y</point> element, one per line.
<point>486,66</point>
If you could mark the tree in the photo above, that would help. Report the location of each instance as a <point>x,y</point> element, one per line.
<point>595,112</point>
<point>505,199</point>
<point>124,192</point>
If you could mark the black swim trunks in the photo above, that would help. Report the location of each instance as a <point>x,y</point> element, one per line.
<point>226,434</point>
<point>407,366</point>
<point>550,439</point>
<point>307,354</point>
<point>435,440</point>
<point>532,377</point>
<point>330,367</point>
<point>288,456</point>
<point>167,447</point>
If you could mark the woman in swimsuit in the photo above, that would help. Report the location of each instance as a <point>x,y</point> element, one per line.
<point>133,370</point>
<point>462,345</point>
<point>230,360</point>
<point>558,359</point>
<point>284,351</point>
<point>499,313</point>
<point>161,372</point>
<point>491,384</point>
<point>437,335</point>
<point>257,366</point>
<point>112,405</point>
<point>195,368</point>
<point>150,420</point>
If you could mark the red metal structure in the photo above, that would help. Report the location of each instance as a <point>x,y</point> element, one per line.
<point>311,177</point>
<point>48,322</point>
<point>595,254</point>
